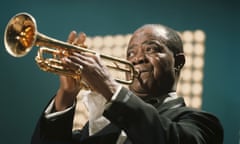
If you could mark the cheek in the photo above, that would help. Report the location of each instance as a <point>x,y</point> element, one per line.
<point>163,73</point>
<point>162,65</point>
<point>156,64</point>
<point>157,68</point>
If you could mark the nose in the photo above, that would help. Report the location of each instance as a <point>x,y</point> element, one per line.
<point>139,59</point>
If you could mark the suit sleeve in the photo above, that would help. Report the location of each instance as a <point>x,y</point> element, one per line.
<point>54,130</point>
<point>144,125</point>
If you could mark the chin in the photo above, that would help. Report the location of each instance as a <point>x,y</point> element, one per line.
<point>139,91</point>
<point>141,94</point>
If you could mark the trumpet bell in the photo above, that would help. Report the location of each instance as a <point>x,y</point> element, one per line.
<point>20,35</point>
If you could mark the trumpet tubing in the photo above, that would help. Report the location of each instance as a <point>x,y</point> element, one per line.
<point>21,35</point>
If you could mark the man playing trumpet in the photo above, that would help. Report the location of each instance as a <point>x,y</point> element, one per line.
<point>148,112</point>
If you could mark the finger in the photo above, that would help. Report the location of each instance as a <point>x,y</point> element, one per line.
<point>81,38</point>
<point>87,57</point>
<point>72,36</point>
<point>71,65</point>
<point>96,57</point>
<point>79,59</point>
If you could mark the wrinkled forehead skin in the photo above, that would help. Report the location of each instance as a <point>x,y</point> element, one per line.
<point>163,34</point>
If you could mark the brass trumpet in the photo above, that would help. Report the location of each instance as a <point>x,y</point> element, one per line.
<point>21,35</point>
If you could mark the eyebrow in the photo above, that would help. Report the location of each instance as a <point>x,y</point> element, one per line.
<point>131,47</point>
<point>162,45</point>
<point>151,42</point>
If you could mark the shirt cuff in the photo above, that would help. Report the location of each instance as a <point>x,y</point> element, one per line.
<point>49,114</point>
<point>115,95</point>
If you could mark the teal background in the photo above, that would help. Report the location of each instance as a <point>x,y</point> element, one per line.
<point>25,89</point>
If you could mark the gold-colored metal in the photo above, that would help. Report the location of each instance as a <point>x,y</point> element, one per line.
<point>21,35</point>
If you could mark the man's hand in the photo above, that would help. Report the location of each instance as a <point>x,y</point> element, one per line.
<point>69,86</point>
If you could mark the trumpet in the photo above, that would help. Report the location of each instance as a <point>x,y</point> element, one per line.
<point>21,36</point>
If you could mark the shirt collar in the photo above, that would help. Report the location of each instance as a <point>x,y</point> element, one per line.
<point>172,96</point>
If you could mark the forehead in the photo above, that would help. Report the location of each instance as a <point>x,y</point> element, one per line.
<point>149,33</point>
<point>161,32</point>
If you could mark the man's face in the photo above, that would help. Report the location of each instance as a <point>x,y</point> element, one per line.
<point>155,62</point>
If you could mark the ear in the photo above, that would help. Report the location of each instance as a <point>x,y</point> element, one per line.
<point>179,61</point>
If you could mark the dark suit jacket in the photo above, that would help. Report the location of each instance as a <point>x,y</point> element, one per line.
<point>144,123</point>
